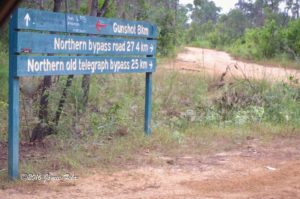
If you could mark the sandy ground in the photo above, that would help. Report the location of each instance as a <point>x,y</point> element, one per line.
<point>252,170</point>
<point>217,62</point>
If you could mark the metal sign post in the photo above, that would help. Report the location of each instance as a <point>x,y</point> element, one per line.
<point>105,46</point>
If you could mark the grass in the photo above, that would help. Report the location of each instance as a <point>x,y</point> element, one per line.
<point>188,118</point>
<point>279,62</point>
<point>246,55</point>
<point>200,44</point>
<point>3,92</point>
<point>82,157</point>
<point>135,149</point>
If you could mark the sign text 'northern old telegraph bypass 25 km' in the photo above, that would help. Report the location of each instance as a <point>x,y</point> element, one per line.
<point>67,65</point>
<point>45,43</point>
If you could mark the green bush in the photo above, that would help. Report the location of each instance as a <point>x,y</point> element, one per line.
<point>259,43</point>
<point>292,36</point>
<point>282,104</point>
<point>273,40</point>
<point>3,74</point>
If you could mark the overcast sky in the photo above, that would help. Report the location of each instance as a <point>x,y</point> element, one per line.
<point>226,5</point>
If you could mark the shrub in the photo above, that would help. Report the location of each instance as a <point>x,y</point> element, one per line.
<point>292,36</point>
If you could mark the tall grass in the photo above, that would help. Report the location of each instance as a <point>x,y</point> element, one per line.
<point>3,92</point>
<point>189,116</point>
<point>180,101</point>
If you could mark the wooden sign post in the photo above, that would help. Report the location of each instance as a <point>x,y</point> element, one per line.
<point>104,45</point>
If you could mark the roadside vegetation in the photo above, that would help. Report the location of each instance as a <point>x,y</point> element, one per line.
<point>260,30</point>
<point>190,115</point>
<point>191,112</point>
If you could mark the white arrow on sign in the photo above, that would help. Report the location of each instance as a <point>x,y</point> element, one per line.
<point>151,65</point>
<point>151,47</point>
<point>27,19</point>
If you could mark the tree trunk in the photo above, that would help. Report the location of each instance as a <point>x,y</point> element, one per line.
<point>62,100</point>
<point>70,77</point>
<point>103,9</point>
<point>57,5</point>
<point>47,83</point>
<point>297,7</point>
<point>85,85</point>
<point>78,2</point>
<point>67,86</point>
<point>43,128</point>
<point>41,4</point>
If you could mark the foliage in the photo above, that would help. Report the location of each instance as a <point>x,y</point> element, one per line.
<point>3,91</point>
<point>170,18</point>
<point>282,104</point>
<point>179,102</point>
<point>260,43</point>
<point>292,35</point>
<point>232,31</point>
<point>3,74</point>
<point>204,11</point>
<point>254,30</point>
<point>182,103</point>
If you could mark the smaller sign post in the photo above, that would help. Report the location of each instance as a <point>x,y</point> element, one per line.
<point>148,103</point>
<point>128,47</point>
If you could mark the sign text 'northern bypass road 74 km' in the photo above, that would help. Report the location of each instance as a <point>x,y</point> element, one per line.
<point>78,45</point>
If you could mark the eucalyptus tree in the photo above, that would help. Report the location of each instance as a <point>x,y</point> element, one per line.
<point>204,11</point>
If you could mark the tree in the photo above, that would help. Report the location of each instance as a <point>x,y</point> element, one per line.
<point>292,36</point>
<point>235,24</point>
<point>44,128</point>
<point>204,11</point>
<point>93,11</point>
<point>260,10</point>
<point>273,5</point>
<point>292,7</point>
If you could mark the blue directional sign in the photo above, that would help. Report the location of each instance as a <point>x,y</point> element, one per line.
<point>29,42</point>
<point>78,45</point>
<point>29,19</point>
<point>78,65</point>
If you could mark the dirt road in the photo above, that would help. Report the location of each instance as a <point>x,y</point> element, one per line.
<point>254,170</point>
<point>217,62</point>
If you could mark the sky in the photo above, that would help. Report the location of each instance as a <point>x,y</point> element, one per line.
<point>226,5</point>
